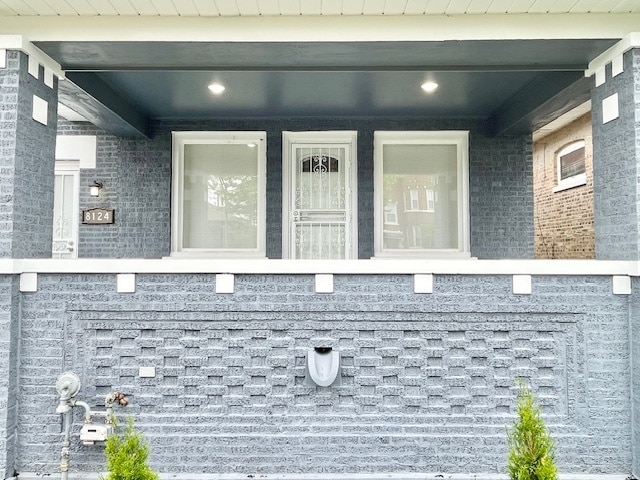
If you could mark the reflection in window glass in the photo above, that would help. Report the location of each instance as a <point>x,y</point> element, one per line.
<point>220,205</point>
<point>423,179</point>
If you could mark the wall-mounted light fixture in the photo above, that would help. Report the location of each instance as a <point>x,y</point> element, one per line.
<point>94,188</point>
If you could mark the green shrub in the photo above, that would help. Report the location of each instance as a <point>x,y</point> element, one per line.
<point>531,449</point>
<point>127,455</point>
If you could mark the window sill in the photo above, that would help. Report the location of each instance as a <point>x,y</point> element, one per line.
<point>422,255</point>
<point>571,182</point>
<point>218,255</point>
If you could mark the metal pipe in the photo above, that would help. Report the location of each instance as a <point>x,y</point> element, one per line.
<point>66,443</point>
<point>87,410</point>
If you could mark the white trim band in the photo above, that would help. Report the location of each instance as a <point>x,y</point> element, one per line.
<point>21,43</point>
<point>312,267</point>
<point>632,40</point>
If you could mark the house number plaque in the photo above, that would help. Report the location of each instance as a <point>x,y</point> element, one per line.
<point>98,216</point>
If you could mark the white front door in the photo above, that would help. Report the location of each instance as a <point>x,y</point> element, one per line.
<point>319,195</point>
<point>65,210</point>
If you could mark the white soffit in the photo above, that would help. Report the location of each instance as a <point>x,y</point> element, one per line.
<point>306,7</point>
<point>562,121</point>
<point>68,114</point>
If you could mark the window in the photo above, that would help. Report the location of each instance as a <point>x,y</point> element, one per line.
<point>571,166</point>
<point>218,205</point>
<point>427,174</point>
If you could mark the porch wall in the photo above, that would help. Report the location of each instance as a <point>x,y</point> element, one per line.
<point>9,339</point>
<point>137,183</point>
<point>427,379</point>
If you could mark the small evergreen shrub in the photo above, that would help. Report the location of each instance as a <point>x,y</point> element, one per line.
<point>127,455</point>
<point>531,449</point>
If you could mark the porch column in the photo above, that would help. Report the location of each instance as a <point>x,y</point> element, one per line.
<point>28,124</point>
<point>28,121</point>
<point>616,152</point>
<point>616,170</point>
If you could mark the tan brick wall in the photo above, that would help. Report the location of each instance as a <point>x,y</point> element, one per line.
<point>563,220</point>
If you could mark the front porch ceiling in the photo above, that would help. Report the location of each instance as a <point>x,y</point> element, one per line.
<point>513,85</point>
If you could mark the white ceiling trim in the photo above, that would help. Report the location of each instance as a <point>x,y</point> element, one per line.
<point>627,43</point>
<point>310,7</point>
<point>18,42</point>
<point>322,28</point>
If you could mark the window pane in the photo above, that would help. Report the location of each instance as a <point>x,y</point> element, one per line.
<point>220,196</point>
<point>572,164</point>
<point>420,184</point>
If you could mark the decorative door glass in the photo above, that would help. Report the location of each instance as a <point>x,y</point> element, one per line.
<point>65,216</point>
<point>319,214</point>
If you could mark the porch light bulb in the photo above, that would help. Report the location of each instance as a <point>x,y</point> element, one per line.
<point>216,88</point>
<point>94,189</point>
<point>251,145</point>
<point>429,87</point>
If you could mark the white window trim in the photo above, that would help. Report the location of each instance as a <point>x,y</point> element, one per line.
<point>460,139</point>
<point>576,180</point>
<point>179,140</point>
<point>348,137</point>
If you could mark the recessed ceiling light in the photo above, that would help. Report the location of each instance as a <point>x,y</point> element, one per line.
<point>252,145</point>
<point>429,86</point>
<point>216,88</point>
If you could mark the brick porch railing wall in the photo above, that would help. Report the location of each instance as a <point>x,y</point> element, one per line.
<point>427,378</point>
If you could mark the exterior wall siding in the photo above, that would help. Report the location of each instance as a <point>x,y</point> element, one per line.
<point>615,164</point>
<point>563,220</point>
<point>428,380</point>
<point>137,179</point>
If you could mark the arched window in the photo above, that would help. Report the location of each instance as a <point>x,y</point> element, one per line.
<point>571,166</point>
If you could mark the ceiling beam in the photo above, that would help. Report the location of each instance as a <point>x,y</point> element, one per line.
<point>481,55</point>
<point>91,97</point>
<point>546,98</point>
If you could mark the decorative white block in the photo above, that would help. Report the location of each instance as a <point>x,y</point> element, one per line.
<point>40,110</point>
<point>617,66</point>
<point>147,372</point>
<point>225,283</point>
<point>324,283</point>
<point>126,283</point>
<point>423,283</point>
<point>610,108</point>
<point>33,67</point>
<point>3,58</point>
<point>621,285</point>
<point>48,77</point>
<point>600,76</point>
<point>28,282</point>
<point>522,285</point>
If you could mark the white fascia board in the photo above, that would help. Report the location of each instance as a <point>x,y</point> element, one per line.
<point>323,28</point>
<point>21,43</point>
<point>312,267</point>
<point>631,40</point>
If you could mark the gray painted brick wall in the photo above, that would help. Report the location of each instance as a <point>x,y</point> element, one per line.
<point>615,165</point>
<point>634,332</point>
<point>137,178</point>
<point>427,380</point>
<point>27,161</point>
<point>9,335</point>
